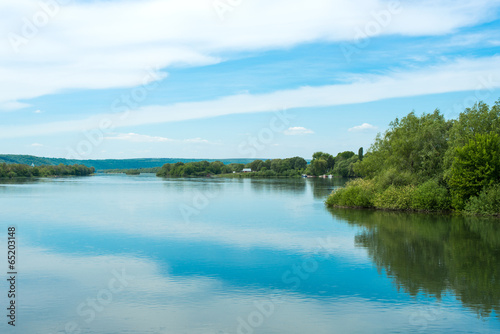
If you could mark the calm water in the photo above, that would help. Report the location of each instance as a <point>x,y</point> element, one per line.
<point>139,254</point>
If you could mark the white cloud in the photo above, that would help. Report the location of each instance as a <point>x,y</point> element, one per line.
<point>297,130</point>
<point>137,138</point>
<point>36,145</point>
<point>8,105</point>
<point>196,141</point>
<point>363,127</point>
<point>38,111</point>
<point>462,75</point>
<point>127,37</point>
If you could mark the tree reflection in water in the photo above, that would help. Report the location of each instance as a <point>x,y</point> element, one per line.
<point>434,254</point>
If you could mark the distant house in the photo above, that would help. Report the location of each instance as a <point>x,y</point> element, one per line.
<point>247,170</point>
<point>32,165</point>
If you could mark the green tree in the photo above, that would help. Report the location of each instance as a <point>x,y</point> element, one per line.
<point>345,167</point>
<point>216,167</point>
<point>322,163</point>
<point>413,144</point>
<point>255,165</point>
<point>480,119</point>
<point>476,165</point>
<point>318,166</point>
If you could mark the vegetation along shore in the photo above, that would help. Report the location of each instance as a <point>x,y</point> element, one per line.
<point>321,164</point>
<point>428,163</point>
<point>23,170</point>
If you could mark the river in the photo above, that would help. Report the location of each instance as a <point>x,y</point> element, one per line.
<point>140,254</point>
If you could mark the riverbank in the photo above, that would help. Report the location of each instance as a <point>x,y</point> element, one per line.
<point>428,163</point>
<point>10,171</point>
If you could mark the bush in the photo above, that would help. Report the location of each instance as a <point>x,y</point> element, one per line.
<point>393,177</point>
<point>356,193</point>
<point>431,196</point>
<point>476,166</point>
<point>395,198</point>
<point>487,202</point>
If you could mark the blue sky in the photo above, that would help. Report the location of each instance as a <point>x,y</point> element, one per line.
<point>214,78</point>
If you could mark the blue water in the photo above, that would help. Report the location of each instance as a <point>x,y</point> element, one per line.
<point>140,254</point>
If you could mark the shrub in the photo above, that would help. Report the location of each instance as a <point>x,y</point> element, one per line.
<point>393,177</point>
<point>395,198</point>
<point>431,196</point>
<point>476,165</point>
<point>487,202</point>
<point>356,193</point>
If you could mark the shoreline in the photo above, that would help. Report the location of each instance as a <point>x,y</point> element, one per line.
<point>441,212</point>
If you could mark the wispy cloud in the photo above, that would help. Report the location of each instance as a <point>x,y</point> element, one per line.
<point>36,145</point>
<point>461,75</point>
<point>137,138</point>
<point>7,104</point>
<point>363,127</point>
<point>70,54</point>
<point>196,141</point>
<point>297,130</point>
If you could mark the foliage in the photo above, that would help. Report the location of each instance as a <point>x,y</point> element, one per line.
<point>487,202</point>
<point>393,177</point>
<point>106,164</point>
<point>428,163</point>
<point>290,167</point>
<point>431,196</point>
<point>480,119</point>
<point>476,165</point>
<point>395,198</point>
<point>341,165</point>
<point>414,145</point>
<point>357,193</point>
<point>20,170</point>
<point>321,164</point>
<point>344,166</point>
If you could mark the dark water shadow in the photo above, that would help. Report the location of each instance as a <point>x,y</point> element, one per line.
<point>434,254</point>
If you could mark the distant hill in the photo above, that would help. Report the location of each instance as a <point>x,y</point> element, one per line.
<point>107,163</point>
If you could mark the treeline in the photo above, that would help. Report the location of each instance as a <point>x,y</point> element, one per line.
<point>290,167</point>
<point>342,165</point>
<point>22,170</point>
<point>321,164</point>
<point>431,164</point>
<point>104,164</point>
<point>198,168</point>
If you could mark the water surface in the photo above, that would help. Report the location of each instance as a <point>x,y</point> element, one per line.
<point>140,254</point>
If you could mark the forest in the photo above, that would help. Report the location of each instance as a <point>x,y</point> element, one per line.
<point>428,163</point>
<point>23,170</point>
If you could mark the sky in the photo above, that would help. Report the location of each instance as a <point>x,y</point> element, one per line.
<point>100,79</point>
